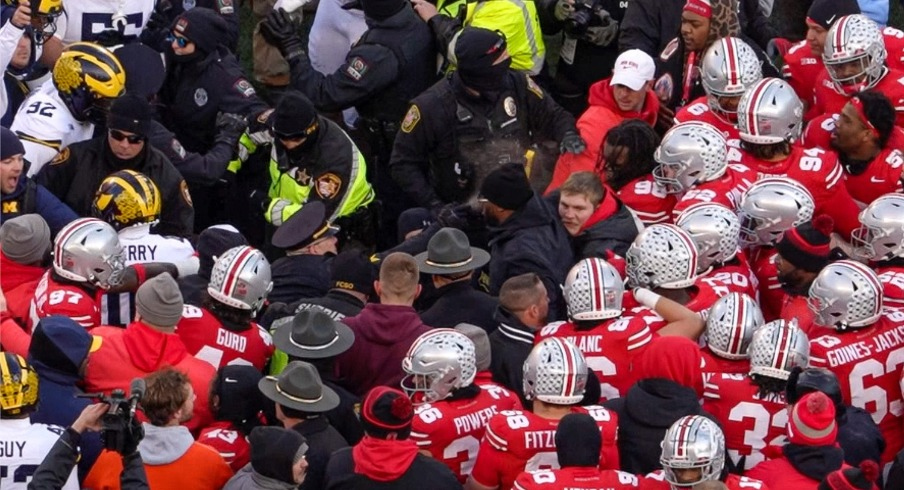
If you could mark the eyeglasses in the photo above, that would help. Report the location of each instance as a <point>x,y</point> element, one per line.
<point>180,41</point>
<point>133,139</point>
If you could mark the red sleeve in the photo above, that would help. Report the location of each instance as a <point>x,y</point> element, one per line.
<point>493,458</point>
<point>13,338</point>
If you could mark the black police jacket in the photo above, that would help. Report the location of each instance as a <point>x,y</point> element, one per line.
<point>449,140</point>
<point>300,276</point>
<point>77,171</point>
<point>458,303</point>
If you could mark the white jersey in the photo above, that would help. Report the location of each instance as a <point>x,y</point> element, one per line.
<point>84,19</point>
<point>23,446</point>
<point>45,126</point>
<point>140,246</point>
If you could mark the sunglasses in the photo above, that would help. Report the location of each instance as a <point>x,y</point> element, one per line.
<point>180,41</point>
<point>133,139</point>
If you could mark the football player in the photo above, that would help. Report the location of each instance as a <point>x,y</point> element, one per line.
<point>223,331</point>
<point>863,345</point>
<point>730,324</point>
<point>880,239</point>
<point>451,411</point>
<point>555,375</point>
<point>751,407</point>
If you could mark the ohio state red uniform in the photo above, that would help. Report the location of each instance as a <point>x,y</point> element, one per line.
<point>705,292</point>
<point>207,339</point>
<point>451,429</point>
<point>698,110</point>
<point>57,298</point>
<point>892,278</point>
<point>517,441</point>
<point>750,422</point>
<point>881,176</point>
<point>232,445</point>
<point>736,276</point>
<point>656,481</point>
<point>726,190</point>
<point>801,70</point>
<point>714,366</point>
<point>648,200</point>
<point>868,363</point>
<point>609,348</point>
<point>797,307</point>
<point>576,478</point>
<point>771,293</point>
<point>828,101</point>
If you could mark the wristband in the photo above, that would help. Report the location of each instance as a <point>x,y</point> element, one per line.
<point>646,297</point>
<point>141,272</point>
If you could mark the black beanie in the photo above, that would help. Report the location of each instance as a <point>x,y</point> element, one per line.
<point>863,477</point>
<point>202,26</point>
<point>807,246</point>
<point>478,49</point>
<point>826,12</point>
<point>507,187</point>
<point>382,9</point>
<point>9,144</point>
<point>275,450</point>
<point>387,411</point>
<point>578,441</point>
<point>213,242</point>
<point>130,113</point>
<point>240,398</point>
<point>295,116</point>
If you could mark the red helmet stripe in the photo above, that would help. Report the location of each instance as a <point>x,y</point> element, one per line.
<point>232,273</point>
<point>570,367</point>
<point>681,436</point>
<point>731,56</point>
<point>755,100</point>
<point>737,322</point>
<point>783,344</point>
<point>838,39</point>
<point>65,234</point>
<point>596,284</point>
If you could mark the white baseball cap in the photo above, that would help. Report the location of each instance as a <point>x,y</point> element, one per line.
<point>633,69</point>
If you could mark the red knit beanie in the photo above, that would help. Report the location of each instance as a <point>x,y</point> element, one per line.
<point>863,477</point>
<point>812,421</point>
<point>808,246</point>
<point>700,7</point>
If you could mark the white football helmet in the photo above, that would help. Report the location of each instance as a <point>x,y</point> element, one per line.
<point>715,230</point>
<point>730,325</point>
<point>662,256</point>
<point>770,207</point>
<point>846,294</point>
<point>690,153</point>
<point>593,290</point>
<point>777,347</point>
<point>88,250</point>
<point>555,372</point>
<point>729,68</point>
<point>438,362</point>
<point>693,441</point>
<point>854,40</point>
<point>241,279</point>
<point>881,234</point>
<point>770,112</point>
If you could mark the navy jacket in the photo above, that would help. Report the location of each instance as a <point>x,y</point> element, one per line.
<point>458,303</point>
<point>55,212</point>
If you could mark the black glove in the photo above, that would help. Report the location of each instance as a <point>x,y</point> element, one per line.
<point>279,31</point>
<point>572,143</point>
<point>160,18</point>
<point>230,127</point>
<point>134,433</point>
<point>461,216</point>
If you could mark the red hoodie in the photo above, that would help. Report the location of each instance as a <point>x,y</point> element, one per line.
<point>602,115</point>
<point>674,358</point>
<point>18,283</point>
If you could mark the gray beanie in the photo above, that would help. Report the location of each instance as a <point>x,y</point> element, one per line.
<point>481,344</point>
<point>159,301</point>
<point>25,239</point>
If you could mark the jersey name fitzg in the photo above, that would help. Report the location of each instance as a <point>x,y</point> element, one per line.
<point>540,439</point>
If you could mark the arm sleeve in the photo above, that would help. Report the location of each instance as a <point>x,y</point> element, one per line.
<point>56,471</point>
<point>754,24</point>
<point>204,169</point>
<point>133,476</point>
<point>640,29</point>
<point>445,29</point>
<point>58,177</point>
<point>547,118</point>
<point>13,338</point>
<point>410,157</point>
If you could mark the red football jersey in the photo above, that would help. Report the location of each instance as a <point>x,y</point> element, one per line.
<point>714,366</point>
<point>451,429</point>
<point>828,101</point>
<point>797,307</point>
<point>733,277</point>
<point>868,362</point>
<point>750,423</point>
<point>892,278</point>
<point>576,478</point>
<point>656,481</point>
<point>881,176</point>
<point>648,200</point>
<point>801,70</point>
<point>771,294</point>
<point>609,348</point>
<point>698,110</point>
<point>894,47</point>
<point>707,291</point>
<point>726,190</point>
<point>232,445</point>
<point>207,339</point>
<point>517,441</point>
<point>54,298</point>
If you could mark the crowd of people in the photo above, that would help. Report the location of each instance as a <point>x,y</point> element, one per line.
<point>488,244</point>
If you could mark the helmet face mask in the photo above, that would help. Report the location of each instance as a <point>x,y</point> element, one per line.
<point>593,291</point>
<point>846,294</point>
<point>437,363</point>
<point>690,153</point>
<point>88,251</point>
<point>854,54</point>
<point>18,386</point>
<point>241,279</point>
<point>730,325</point>
<point>693,451</point>
<point>555,372</point>
<point>770,207</point>
<point>44,14</point>
<point>729,68</point>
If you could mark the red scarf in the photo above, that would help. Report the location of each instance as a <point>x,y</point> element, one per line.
<point>383,460</point>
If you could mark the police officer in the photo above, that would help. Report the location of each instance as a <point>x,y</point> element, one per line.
<point>312,159</point>
<point>482,115</point>
<point>166,11</point>
<point>309,241</point>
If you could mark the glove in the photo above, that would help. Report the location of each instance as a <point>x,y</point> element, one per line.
<point>230,127</point>
<point>572,143</point>
<point>159,18</point>
<point>133,434</point>
<point>563,9</point>
<point>603,34</point>
<point>461,216</point>
<point>279,30</point>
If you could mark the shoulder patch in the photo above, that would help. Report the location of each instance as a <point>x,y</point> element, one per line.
<point>669,50</point>
<point>411,119</point>
<point>177,148</point>
<point>186,196</point>
<point>61,157</point>
<point>533,87</point>
<point>327,185</point>
<point>264,116</point>
<point>244,87</point>
<point>356,68</point>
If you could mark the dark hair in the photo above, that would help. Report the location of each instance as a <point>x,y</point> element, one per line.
<point>232,318</point>
<point>165,394</point>
<point>520,292</point>
<point>880,112</point>
<point>769,387</point>
<point>296,414</point>
<point>766,152</point>
<point>640,141</point>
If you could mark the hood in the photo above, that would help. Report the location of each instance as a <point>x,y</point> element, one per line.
<point>15,273</point>
<point>385,324</point>
<point>659,402</point>
<point>149,349</point>
<point>534,214</point>
<point>163,445</point>
<point>383,460</point>
<point>606,209</point>
<point>676,359</point>
<point>724,21</point>
<point>258,481</point>
<point>601,95</point>
<point>58,348</point>
<point>814,462</point>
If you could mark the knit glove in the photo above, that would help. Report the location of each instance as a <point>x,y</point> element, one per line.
<point>572,143</point>
<point>279,31</point>
<point>605,33</point>
<point>563,9</point>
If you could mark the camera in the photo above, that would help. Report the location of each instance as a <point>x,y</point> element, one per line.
<point>577,23</point>
<point>119,425</point>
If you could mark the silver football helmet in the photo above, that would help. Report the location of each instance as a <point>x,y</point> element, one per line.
<point>716,231</point>
<point>662,256</point>
<point>777,347</point>
<point>770,207</point>
<point>690,153</point>
<point>729,68</point>
<point>438,362</point>
<point>881,232</point>
<point>555,372</point>
<point>593,290</point>
<point>241,279</point>
<point>854,54</point>
<point>770,112</point>
<point>846,294</point>
<point>693,442</point>
<point>88,250</point>
<point>730,325</point>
